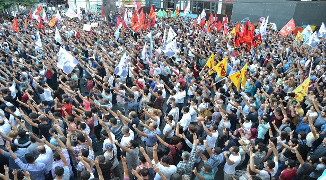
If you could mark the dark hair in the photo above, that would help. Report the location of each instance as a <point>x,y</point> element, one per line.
<point>165,159</point>
<point>58,171</point>
<point>29,157</point>
<point>84,152</point>
<point>85,175</point>
<point>82,126</point>
<point>21,133</point>
<point>81,138</point>
<point>134,143</point>
<point>270,164</point>
<point>88,114</point>
<point>235,149</point>
<point>186,109</point>
<point>159,92</point>
<point>261,147</point>
<point>101,159</point>
<point>208,168</point>
<point>144,172</point>
<point>291,163</point>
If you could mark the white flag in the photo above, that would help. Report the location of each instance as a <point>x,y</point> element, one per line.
<point>263,27</point>
<point>203,14</point>
<point>171,49</point>
<point>117,32</point>
<point>66,61</point>
<point>58,16</point>
<point>322,31</point>
<point>306,33</point>
<point>143,52</point>
<point>122,68</point>
<point>187,10</point>
<point>171,35</point>
<point>71,13</point>
<point>38,43</point>
<point>87,27</point>
<point>57,36</point>
<point>164,39</point>
<point>313,40</point>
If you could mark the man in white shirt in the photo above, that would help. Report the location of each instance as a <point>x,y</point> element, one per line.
<point>163,165</point>
<point>212,134</point>
<point>232,161</point>
<point>186,118</point>
<point>45,156</point>
<point>127,136</point>
<point>5,129</point>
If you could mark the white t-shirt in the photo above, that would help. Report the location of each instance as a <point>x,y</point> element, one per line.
<point>185,121</point>
<point>168,128</point>
<point>264,174</point>
<point>211,140</point>
<point>230,169</point>
<point>167,171</point>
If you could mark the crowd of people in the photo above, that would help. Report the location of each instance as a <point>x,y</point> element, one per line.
<point>168,118</point>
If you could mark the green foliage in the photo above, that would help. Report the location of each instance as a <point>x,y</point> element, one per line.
<point>6,4</point>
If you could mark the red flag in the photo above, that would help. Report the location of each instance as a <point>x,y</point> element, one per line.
<point>242,29</point>
<point>225,31</point>
<point>237,27</point>
<point>142,17</point>
<point>134,18</point>
<point>208,28</point>
<point>15,25</point>
<point>124,25</point>
<point>256,41</point>
<point>136,26</point>
<point>218,26</point>
<point>211,18</point>
<point>249,32</point>
<point>31,15</point>
<point>225,20</point>
<point>123,14</point>
<point>202,23</point>
<point>215,19</point>
<point>103,13</point>
<point>25,25</point>
<point>40,25</point>
<point>248,48</point>
<point>152,14</point>
<point>137,6</point>
<point>52,21</point>
<point>288,28</point>
<point>177,11</point>
<point>236,39</point>
<point>195,23</point>
<point>118,21</point>
<point>38,10</point>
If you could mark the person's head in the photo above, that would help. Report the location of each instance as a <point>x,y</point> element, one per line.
<point>185,155</point>
<point>84,152</point>
<point>312,159</point>
<point>192,128</point>
<point>290,163</point>
<point>85,175</point>
<point>213,128</point>
<point>101,159</point>
<point>21,133</point>
<point>29,157</point>
<point>207,169</point>
<point>234,150</point>
<point>58,171</point>
<point>80,138</point>
<point>260,147</point>
<point>322,160</point>
<point>185,110</point>
<point>125,130</point>
<point>144,172</point>
<point>176,176</point>
<point>109,147</point>
<point>269,164</point>
<point>41,149</point>
<point>217,150</point>
<point>133,115</point>
<point>113,121</point>
<point>165,160</point>
<point>133,144</point>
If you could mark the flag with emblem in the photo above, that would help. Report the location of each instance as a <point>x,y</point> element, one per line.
<point>221,68</point>
<point>210,63</point>
<point>256,41</point>
<point>288,28</point>
<point>244,72</point>
<point>25,25</point>
<point>177,12</point>
<point>302,90</point>
<point>299,37</point>
<point>236,79</point>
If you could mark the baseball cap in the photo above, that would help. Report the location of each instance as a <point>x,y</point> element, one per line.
<point>108,146</point>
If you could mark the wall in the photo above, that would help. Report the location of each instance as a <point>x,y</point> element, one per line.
<point>280,11</point>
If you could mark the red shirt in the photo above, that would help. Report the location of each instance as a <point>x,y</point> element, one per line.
<point>288,175</point>
<point>25,98</point>
<point>182,82</point>
<point>90,85</point>
<point>67,108</point>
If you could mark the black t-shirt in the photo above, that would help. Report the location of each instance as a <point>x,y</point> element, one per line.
<point>106,170</point>
<point>44,130</point>
<point>233,121</point>
<point>304,170</point>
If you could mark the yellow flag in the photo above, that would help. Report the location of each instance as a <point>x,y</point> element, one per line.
<point>52,21</point>
<point>299,37</point>
<point>302,90</point>
<point>244,72</point>
<point>233,32</point>
<point>221,68</point>
<point>236,79</point>
<point>210,63</point>
<point>313,27</point>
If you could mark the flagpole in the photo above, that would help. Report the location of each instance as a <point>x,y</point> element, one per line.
<point>312,60</point>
